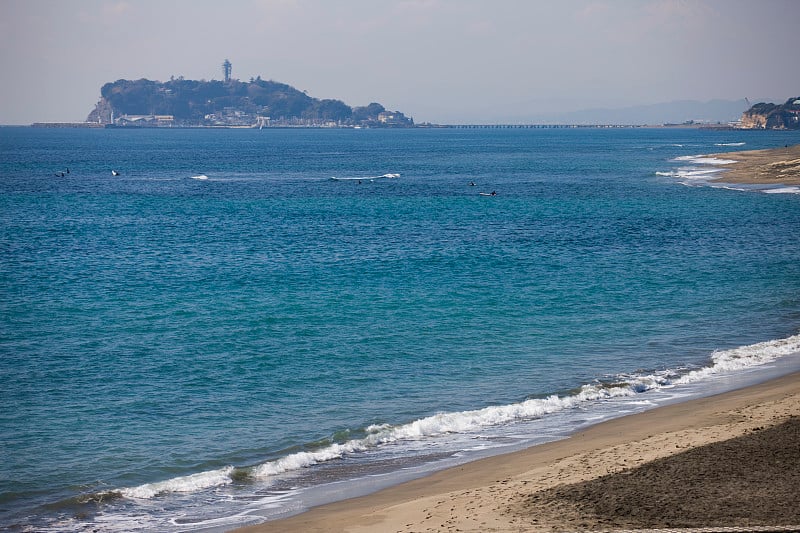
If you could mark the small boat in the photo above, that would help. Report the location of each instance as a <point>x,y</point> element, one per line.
<point>493,193</point>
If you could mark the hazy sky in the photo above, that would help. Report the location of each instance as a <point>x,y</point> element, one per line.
<point>436,60</point>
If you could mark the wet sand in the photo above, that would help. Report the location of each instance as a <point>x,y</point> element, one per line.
<point>731,460</point>
<point>769,167</point>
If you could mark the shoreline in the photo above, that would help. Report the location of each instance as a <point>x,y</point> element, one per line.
<point>774,166</point>
<point>512,492</point>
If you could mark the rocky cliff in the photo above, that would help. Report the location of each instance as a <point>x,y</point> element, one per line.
<point>773,116</point>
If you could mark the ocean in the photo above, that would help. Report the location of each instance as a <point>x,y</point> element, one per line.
<point>221,333</point>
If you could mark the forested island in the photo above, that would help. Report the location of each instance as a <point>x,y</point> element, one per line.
<point>229,103</point>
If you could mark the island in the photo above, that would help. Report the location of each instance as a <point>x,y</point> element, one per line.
<point>229,103</point>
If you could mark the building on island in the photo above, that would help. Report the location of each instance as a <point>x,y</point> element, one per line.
<point>145,120</point>
<point>393,118</point>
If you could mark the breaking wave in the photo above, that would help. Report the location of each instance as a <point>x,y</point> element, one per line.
<point>191,483</point>
<point>368,178</point>
<point>783,190</point>
<point>629,385</point>
<point>705,160</point>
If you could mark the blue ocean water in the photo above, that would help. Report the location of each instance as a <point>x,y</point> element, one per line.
<point>223,333</point>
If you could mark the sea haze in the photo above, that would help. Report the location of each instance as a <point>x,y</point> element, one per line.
<point>680,112</point>
<point>222,333</point>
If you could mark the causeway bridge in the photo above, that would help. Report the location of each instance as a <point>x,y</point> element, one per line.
<point>531,126</point>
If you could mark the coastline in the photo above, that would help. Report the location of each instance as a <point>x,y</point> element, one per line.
<point>513,492</point>
<point>774,166</point>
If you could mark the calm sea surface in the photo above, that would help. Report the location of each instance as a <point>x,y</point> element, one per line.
<point>223,333</point>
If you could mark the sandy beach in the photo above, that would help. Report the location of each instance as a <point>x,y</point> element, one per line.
<point>731,460</point>
<point>770,167</point>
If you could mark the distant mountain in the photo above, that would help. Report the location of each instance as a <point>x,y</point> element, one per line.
<point>259,102</point>
<point>678,112</point>
<point>762,116</point>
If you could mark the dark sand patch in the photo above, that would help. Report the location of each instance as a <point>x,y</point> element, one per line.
<point>751,480</point>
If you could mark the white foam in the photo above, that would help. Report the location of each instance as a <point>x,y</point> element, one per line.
<point>625,386</point>
<point>441,424</point>
<point>704,160</point>
<point>745,357</point>
<point>730,144</point>
<point>712,161</point>
<point>191,483</point>
<point>300,460</point>
<point>387,176</point>
<point>693,175</point>
<point>730,187</point>
<point>783,190</point>
<point>469,421</point>
<point>697,173</point>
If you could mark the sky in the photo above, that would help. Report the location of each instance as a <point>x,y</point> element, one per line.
<point>441,61</point>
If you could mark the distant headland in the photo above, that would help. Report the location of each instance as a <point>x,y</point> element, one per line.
<point>763,116</point>
<point>229,103</point>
